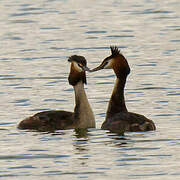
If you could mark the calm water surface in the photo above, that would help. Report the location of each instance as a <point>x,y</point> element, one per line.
<point>36,39</point>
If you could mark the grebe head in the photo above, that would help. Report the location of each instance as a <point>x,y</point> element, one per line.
<point>115,61</point>
<point>79,63</point>
<point>78,68</point>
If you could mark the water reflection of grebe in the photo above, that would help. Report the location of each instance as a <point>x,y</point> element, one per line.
<point>82,117</point>
<point>118,119</point>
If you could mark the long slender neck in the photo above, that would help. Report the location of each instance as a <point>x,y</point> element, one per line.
<point>83,113</point>
<point>117,101</point>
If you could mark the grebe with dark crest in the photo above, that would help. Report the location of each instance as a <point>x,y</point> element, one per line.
<point>118,119</point>
<point>82,117</point>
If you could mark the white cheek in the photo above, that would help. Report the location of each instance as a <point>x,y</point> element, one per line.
<point>79,69</point>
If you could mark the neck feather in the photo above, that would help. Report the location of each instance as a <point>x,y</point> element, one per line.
<point>117,101</point>
<point>82,111</point>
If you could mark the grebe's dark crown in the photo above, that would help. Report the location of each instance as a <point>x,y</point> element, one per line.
<point>78,59</point>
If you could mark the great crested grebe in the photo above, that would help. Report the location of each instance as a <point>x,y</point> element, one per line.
<point>118,119</point>
<point>82,117</point>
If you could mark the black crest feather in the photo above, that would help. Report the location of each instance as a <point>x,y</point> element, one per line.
<point>115,51</point>
<point>78,59</point>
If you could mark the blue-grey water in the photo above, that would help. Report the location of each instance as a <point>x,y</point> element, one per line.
<point>36,38</point>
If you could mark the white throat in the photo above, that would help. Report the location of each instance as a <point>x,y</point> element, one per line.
<point>83,109</point>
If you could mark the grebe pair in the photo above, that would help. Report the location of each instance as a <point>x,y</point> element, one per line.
<point>118,119</point>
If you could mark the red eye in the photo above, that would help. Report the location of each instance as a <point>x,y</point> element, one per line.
<point>80,65</point>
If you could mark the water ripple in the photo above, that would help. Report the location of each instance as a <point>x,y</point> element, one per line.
<point>37,39</point>
<point>45,156</point>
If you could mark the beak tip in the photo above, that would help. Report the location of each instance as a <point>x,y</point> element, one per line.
<point>86,69</point>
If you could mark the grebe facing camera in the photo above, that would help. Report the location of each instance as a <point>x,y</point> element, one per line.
<point>82,117</point>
